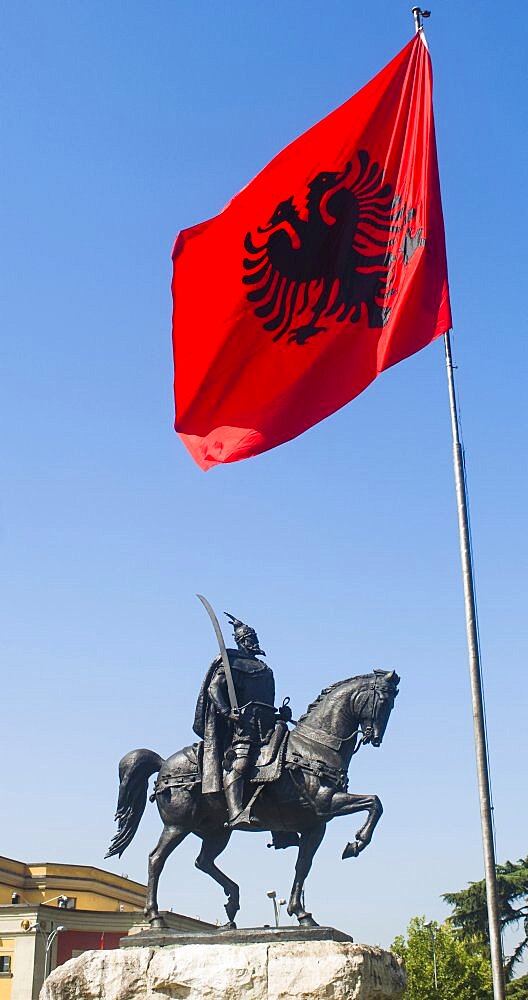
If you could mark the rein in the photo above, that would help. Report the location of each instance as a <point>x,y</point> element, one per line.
<point>336,742</point>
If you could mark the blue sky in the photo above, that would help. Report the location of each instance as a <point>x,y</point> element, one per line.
<point>121,124</point>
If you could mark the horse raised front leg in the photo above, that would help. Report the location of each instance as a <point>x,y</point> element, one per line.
<point>344,805</point>
<point>211,848</point>
<point>170,838</point>
<point>309,843</point>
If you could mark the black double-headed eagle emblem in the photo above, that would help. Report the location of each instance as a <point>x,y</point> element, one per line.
<point>336,260</point>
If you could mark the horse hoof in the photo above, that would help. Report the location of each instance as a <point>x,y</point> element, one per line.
<point>157,921</point>
<point>230,926</point>
<point>350,851</point>
<point>307,920</point>
<point>231,908</point>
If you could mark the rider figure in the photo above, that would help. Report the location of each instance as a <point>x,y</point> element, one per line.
<point>233,737</point>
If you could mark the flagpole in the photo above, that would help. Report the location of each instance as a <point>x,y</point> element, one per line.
<point>477,697</point>
<point>475,667</point>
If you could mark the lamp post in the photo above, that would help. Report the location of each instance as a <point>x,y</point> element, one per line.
<point>431,927</point>
<point>271,894</point>
<point>49,939</point>
<point>49,944</point>
<point>64,902</point>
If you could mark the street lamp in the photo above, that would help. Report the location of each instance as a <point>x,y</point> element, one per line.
<point>49,939</point>
<point>63,902</point>
<point>271,894</point>
<point>49,944</point>
<point>431,927</point>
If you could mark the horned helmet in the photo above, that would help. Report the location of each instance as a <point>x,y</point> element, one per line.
<point>245,636</point>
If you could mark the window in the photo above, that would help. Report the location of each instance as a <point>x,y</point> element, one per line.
<point>5,965</point>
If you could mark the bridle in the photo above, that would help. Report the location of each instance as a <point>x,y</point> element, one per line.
<point>336,742</point>
<point>368,730</point>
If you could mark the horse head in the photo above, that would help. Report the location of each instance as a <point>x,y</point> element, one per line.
<point>373,702</point>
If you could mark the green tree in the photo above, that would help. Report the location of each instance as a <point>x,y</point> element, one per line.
<point>463,972</point>
<point>470,915</point>
<point>517,989</point>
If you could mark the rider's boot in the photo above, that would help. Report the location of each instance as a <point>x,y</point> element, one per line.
<point>234,793</point>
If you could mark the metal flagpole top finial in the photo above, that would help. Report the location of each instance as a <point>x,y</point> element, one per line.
<point>419,15</point>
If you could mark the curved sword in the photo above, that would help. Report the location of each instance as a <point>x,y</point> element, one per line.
<point>223,652</point>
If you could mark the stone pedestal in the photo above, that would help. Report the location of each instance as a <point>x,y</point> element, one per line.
<point>302,969</point>
<point>162,937</point>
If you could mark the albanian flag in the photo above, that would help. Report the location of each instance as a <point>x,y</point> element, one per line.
<point>329,267</point>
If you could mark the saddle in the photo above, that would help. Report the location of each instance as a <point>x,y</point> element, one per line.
<point>187,772</point>
<point>269,764</point>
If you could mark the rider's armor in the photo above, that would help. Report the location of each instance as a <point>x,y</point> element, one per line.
<point>231,745</point>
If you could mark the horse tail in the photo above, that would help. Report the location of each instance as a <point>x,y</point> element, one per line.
<point>135,769</point>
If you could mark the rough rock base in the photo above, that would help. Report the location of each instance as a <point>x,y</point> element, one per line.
<point>294,970</point>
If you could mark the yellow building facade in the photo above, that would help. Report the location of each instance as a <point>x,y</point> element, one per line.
<point>90,888</point>
<point>50,913</point>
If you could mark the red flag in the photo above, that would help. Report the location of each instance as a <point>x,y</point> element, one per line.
<point>329,267</point>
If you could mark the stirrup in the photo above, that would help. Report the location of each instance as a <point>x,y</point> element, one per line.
<point>243,818</point>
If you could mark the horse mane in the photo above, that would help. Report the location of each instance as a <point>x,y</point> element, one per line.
<point>327,690</point>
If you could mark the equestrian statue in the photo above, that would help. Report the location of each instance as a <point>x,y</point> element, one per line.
<point>249,772</point>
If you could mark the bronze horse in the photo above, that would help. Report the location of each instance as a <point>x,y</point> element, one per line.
<point>311,790</point>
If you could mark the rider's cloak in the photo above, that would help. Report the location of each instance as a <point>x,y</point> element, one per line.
<point>253,681</point>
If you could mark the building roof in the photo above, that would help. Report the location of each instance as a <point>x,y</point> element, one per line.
<point>50,878</point>
<point>100,896</point>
